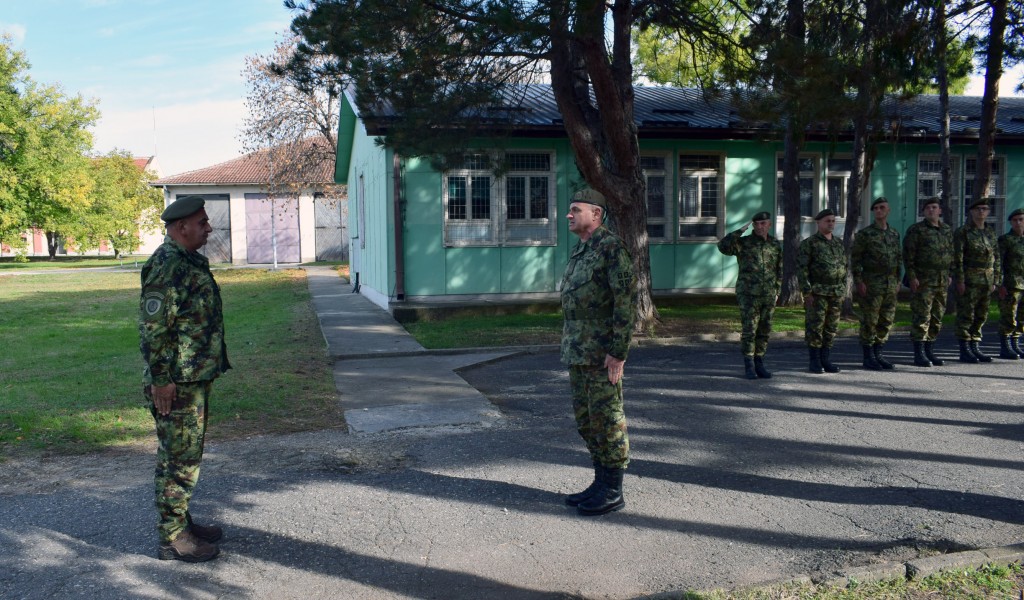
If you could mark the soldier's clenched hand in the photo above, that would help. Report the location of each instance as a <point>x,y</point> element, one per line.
<point>163,398</point>
<point>615,367</point>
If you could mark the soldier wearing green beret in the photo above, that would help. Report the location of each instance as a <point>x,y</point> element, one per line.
<point>181,330</point>
<point>598,293</point>
<point>1011,292</point>
<point>821,272</point>
<point>927,258</point>
<point>976,269</point>
<point>875,260</point>
<point>759,257</point>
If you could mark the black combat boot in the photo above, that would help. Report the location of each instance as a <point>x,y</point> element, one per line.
<point>826,362</point>
<point>929,351</point>
<point>207,533</point>
<point>1015,346</point>
<point>607,497</point>
<point>760,369</point>
<point>920,358</point>
<point>966,356</point>
<point>815,364</point>
<point>976,351</point>
<point>1005,350</point>
<point>870,362</point>
<point>880,357</point>
<point>579,497</point>
<point>189,548</point>
<point>748,367</point>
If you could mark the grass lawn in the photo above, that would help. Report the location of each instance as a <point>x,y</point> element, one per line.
<point>71,372</point>
<point>35,263</point>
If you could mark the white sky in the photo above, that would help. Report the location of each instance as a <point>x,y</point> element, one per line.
<point>166,73</point>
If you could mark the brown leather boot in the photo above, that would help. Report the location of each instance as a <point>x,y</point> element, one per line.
<point>207,533</point>
<point>189,548</point>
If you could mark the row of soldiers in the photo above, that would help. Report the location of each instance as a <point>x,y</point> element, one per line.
<point>932,257</point>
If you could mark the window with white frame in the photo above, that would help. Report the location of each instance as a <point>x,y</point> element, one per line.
<point>996,189</point>
<point>929,182</point>
<point>837,184</point>
<point>656,176</point>
<point>701,196</point>
<point>515,208</point>
<point>808,175</point>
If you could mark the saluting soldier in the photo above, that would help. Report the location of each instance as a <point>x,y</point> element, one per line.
<point>181,330</point>
<point>1011,292</point>
<point>598,293</point>
<point>822,276</point>
<point>927,259</point>
<point>976,265</point>
<point>759,257</point>
<point>875,260</point>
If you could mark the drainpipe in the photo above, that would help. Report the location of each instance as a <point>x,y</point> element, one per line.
<point>399,241</point>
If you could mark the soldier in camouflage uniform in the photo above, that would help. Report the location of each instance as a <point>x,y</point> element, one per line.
<point>875,261</point>
<point>927,258</point>
<point>757,288</point>
<point>1011,292</point>
<point>822,275</point>
<point>181,329</point>
<point>597,291</point>
<point>976,265</point>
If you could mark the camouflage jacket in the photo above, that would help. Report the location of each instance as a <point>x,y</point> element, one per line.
<point>181,324</point>
<point>876,256</point>
<point>598,292</point>
<point>821,266</point>
<point>760,263</point>
<point>928,253</point>
<point>976,260</point>
<point>1011,253</point>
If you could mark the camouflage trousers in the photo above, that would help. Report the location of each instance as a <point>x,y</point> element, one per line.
<point>600,416</point>
<point>821,321</point>
<point>1011,314</point>
<point>181,435</point>
<point>756,314</point>
<point>927,307</point>
<point>877,311</point>
<point>972,311</point>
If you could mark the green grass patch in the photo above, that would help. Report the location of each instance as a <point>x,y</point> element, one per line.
<point>35,263</point>
<point>71,380</point>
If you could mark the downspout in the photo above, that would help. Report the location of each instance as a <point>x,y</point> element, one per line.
<point>396,161</point>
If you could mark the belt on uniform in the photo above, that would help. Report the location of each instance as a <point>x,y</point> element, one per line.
<point>586,315</point>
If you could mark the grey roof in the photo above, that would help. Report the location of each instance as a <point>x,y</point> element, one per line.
<point>686,112</point>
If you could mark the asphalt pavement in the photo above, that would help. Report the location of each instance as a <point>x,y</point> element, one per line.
<point>448,482</point>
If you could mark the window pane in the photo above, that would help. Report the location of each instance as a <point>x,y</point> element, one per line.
<point>699,162</point>
<point>655,197</point>
<point>836,194</point>
<point>840,164</point>
<point>515,197</point>
<point>930,166</point>
<point>807,196</point>
<point>806,165</point>
<point>698,230</point>
<point>481,194</point>
<point>538,197</point>
<point>688,202</point>
<point>456,197</point>
<point>522,161</point>
<point>656,230</point>
<point>709,197</point>
<point>652,163</point>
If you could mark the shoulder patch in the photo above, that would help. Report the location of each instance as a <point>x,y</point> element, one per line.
<point>152,303</point>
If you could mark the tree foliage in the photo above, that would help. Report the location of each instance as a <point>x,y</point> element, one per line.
<point>121,205</point>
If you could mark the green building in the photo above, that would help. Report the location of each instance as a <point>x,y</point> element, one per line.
<point>418,234</point>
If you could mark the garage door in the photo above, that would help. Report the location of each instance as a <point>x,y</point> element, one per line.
<point>266,219</point>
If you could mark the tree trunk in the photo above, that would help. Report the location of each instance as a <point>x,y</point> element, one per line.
<point>941,44</point>
<point>791,214</point>
<point>52,243</point>
<point>990,100</point>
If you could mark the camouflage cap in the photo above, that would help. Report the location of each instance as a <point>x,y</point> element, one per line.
<point>1018,212</point>
<point>762,216</point>
<point>590,196</point>
<point>980,202</point>
<point>879,200</point>
<point>182,207</point>
<point>828,212</point>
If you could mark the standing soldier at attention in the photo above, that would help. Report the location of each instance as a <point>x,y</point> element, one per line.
<point>875,261</point>
<point>757,288</point>
<point>597,290</point>
<point>976,265</point>
<point>181,329</point>
<point>822,275</point>
<point>1011,292</point>
<point>927,258</point>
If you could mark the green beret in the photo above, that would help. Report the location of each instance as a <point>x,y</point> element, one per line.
<point>932,200</point>
<point>879,200</point>
<point>590,196</point>
<point>980,202</point>
<point>828,212</point>
<point>182,207</point>
<point>762,216</point>
<point>1019,211</point>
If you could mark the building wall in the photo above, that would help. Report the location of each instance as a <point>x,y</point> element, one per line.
<point>370,213</point>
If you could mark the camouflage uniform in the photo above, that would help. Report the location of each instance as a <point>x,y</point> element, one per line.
<point>757,286</point>
<point>181,328</point>
<point>822,273</point>
<point>976,264</point>
<point>875,261</point>
<point>597,292</point>
<point>927,257</point>
<point>1011,308</point>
